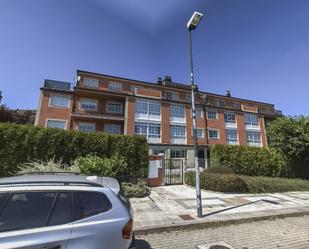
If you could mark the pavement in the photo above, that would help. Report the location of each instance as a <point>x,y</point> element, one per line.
<point>286,233</point>
<point>173,207</point>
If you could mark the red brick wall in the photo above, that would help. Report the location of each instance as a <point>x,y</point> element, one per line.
<point>47,112</point>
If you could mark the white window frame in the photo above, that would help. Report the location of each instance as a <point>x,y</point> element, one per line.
<point>248,117</point>
<point>232,141</point>
<point>89,100</point>
<point>86,123</point>
<point>59,106</point>
<point>174,95</point>
<point>213,138</point>
<point>57,120</point>
<point>114,103</point>
<point>257,143</point>
<point>144,113</point>
<point>211,118</point>
<point>112,126</point>
<point>178,139</point>
<point>94,83</point>
<point>202,130</point>
<point>182,151</point>
<point>199,110</point>
<point>230,123</point>
<point>114,86</point>
<point>151,137</point>
<point>173,112</point>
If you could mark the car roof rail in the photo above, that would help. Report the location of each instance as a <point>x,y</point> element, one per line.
<point>48,173</point>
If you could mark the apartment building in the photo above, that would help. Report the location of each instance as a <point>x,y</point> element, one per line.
<point>160,111</point>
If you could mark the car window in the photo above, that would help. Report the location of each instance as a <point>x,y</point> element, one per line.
<point>26,210</point>
<point>2,195</point>
<point>92,203</point>
<point>62,210</point>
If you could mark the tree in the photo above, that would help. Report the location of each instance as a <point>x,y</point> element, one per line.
<point>291,135</point>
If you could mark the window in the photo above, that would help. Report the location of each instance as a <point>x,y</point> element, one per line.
<point>229,118</point>
<point>90,83</point>
<point>59,101</point>
<point>62,210</point>
<point>188,98</point>
<point>251,120</point>
<point>253,138</point>
<point>112,128</point>
<point>87,127</point>
<point>152,131</point>
<point>154,109</point>
<point>177,132</point>
<point>213,134</point>
<point>26,210</point>
<point>212,114</point>
<point>114,107</point>
<point>158,152</point>
<point>199,112</point>
<point>200,133</point>
<point>92,203</point>
<point>56,124</point>
<point>171,96</point>
<point>115,86</point>
<point>88,104</point>
<point>177,111</point>
<point>178,154</point>
<point>134,88</point>
<point>231,137</point>
<point>146,109</point>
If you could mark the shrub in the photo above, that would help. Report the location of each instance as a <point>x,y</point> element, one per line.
<point>94,165</point>
<point>247,184</point>
<point>138,190</point>
<point>218,182</point>
<point>252,161</point>
<point>261,184</point>
<point>45,167</point>
<point>25,143</point>
<point>220,170</point>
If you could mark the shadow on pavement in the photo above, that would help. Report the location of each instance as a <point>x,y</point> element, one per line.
<point>226,209</point>
<point>142,244</point>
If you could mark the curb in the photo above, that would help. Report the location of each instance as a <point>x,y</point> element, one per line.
<point>213,224</point>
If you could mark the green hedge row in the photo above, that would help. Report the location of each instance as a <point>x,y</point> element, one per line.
<point>247,184</point>
<point>23,143</point>
<point>251,161</point>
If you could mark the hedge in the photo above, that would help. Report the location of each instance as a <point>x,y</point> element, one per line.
<point>247,184</point>
<point>25,143</point>
<point>251,161</point>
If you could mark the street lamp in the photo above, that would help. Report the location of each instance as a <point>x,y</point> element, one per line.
<point>191,25</point>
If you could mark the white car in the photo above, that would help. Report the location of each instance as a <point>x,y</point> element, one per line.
<point>64,212</point>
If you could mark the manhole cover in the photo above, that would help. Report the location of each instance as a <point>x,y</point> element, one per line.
<point>215,245</point>
<point>186,217</point>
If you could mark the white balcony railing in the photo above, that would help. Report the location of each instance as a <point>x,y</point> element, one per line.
<point>178,141</point>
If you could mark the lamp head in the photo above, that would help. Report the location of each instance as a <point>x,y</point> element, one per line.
<point>194,20</point>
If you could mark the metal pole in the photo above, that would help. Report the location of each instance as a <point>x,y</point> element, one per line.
<point>197,170</point>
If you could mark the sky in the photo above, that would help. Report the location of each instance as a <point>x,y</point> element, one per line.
<point>257,49</point>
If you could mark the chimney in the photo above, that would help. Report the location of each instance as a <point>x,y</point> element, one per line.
<point>168,79</point>
<point>159,81</point>
<point>228,93</point>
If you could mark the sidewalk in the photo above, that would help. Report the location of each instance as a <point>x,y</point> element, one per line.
<point>172,206</point>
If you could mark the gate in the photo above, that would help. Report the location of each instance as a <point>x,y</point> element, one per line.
<point>173,171</point>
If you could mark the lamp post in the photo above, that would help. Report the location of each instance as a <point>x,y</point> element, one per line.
<point>191,25</point>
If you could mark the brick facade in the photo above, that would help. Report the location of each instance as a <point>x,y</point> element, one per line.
<point>105,92</point>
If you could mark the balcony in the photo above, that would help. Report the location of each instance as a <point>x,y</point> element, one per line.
<point>97,116</point>
<point>178,141</point>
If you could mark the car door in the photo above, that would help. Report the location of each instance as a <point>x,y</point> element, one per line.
<point>99,222</point>
<point>35,220</point>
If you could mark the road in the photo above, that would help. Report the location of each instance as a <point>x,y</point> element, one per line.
<point>284,233</point>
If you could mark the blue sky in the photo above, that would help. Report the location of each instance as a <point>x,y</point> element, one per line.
<point>258,49</point>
